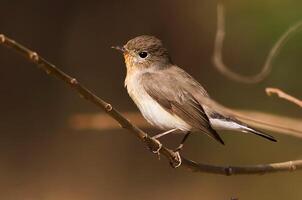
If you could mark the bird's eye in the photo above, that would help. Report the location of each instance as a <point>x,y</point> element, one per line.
<point>143,54</point>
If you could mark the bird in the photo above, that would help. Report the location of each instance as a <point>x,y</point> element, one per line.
<point>169,98</point>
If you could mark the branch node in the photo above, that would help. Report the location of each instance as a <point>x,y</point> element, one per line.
<point>108,107</point>
<point>33,56</point>
<point>2,38</point>
<point>228,171</point>
<point>74,82</point>
<point>292,166</point>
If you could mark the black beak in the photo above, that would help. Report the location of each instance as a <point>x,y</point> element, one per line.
<point>122,49</point>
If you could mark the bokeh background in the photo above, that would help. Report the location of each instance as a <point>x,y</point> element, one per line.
<point>42,157</point>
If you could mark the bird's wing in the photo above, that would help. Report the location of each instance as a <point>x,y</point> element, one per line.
<point>170,89</point>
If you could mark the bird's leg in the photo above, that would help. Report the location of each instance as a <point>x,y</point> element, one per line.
<point>160,135</point>
<point>164,133</point>
<point>177,160</point>
<point>179,148</point>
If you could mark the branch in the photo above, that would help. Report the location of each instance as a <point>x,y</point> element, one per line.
<point>151,143</point>
<point>280,124</point>
<point>266,69</point>
<point>283,95</point>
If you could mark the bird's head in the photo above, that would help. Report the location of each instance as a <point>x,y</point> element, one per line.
<point>145,52</point>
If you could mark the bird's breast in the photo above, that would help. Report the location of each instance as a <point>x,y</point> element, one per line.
<point>152,111</point>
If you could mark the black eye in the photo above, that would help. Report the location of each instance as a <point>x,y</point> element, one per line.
<point>143,54</point>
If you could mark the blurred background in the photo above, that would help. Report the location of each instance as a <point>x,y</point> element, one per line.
<point>42,157</point>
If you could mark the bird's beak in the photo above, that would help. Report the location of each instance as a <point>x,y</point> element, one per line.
<point>122,49</point>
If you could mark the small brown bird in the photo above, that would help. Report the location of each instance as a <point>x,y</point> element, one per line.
<point>168,97</point>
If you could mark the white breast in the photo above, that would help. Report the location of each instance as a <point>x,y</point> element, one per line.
<point>150,109</point>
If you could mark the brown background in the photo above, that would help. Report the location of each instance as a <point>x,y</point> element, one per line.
<point>41,157</point>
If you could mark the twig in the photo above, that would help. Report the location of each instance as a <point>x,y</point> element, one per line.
<point>266,69</point>
<point>269,122</point>
<point>50,69</point>
<point>283,95</point>
<point>285,125</point>
<point>253,169</point>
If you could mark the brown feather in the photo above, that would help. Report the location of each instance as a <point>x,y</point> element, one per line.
<point>174,90</point>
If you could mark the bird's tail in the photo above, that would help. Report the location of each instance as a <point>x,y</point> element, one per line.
<point>249,129</point>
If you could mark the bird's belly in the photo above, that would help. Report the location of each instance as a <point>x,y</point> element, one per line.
<point>155,114</point>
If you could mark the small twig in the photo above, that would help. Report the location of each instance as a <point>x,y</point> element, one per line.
<point>152,144</point>
<point>265,121</point>
<point>283,95</point>
<point>266,69</point>
<point>254,169</point>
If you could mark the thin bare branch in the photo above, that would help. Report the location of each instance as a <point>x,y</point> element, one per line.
<point>152,144</point>
<point>280,124</point>
<point>266,69</point>
<point>269,122</point>
<point>283,95</point>
<point>253,169</point>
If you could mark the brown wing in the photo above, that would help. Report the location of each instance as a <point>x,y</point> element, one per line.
<point>170,88</point>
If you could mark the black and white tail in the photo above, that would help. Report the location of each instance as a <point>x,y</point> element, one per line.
<point>248,129</point>
<point>230,123</point>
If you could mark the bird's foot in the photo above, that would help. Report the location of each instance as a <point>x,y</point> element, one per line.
<point>176,161</point>
<point>156,148</point>
<point>159,147</point>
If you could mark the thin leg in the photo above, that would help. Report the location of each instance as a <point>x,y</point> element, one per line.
<point>164,133</point>
<point>182,142</point>
<point>160,135</point>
